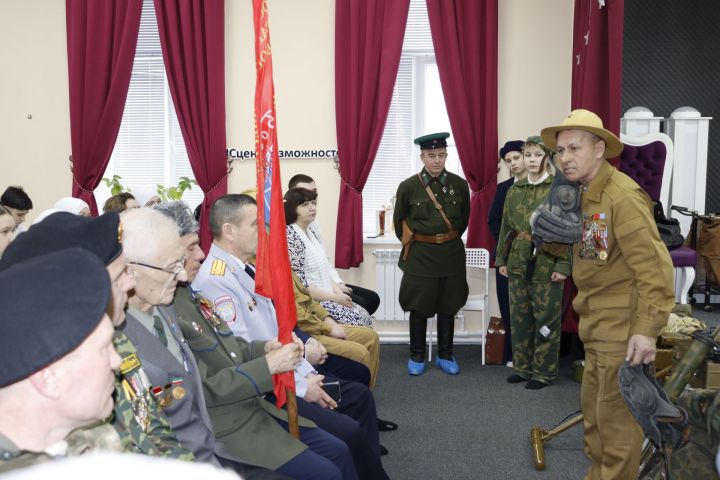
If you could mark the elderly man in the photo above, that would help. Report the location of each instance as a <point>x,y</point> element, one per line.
<point>246,428</point>
<point>432,211</point>
<point>228,281</point>
<point>141,425</point>
<point>624,277</point>
<point>56,353</point>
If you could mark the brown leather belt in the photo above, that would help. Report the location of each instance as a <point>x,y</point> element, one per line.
<point>524,236</point>
<point>437,238</point>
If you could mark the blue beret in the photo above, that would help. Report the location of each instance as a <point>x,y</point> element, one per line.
<point>51,304</point>
<point>433,140</point>
<point>63,230</point>
<point>511,146</point>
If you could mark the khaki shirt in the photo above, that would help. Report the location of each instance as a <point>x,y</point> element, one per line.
<point>621,268</point>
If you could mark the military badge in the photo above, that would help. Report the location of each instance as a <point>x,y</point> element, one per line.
<point>225,308</point>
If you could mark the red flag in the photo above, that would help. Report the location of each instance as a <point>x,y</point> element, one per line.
<point>272,277</point>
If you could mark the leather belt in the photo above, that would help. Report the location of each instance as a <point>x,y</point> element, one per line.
<point>437,238</point>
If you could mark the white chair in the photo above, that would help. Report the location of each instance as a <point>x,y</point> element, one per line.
<point>474,258</point>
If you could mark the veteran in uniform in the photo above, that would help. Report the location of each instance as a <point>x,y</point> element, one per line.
<point>432,210</point>
<point>624,277</point>
<point>137,419</point>
<point>56,354</point>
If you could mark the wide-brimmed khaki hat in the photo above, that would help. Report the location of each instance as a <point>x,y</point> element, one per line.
<point>584,120</point>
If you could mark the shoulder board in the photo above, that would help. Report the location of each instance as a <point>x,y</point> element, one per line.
<point>218,267</point>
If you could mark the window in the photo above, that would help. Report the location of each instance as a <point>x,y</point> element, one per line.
<point>417,108</point>
<point>150,149</point>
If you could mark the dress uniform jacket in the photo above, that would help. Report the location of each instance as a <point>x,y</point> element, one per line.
<point>235,376</point>
<point>186,409</point>
<point>413,204</point>
<point>622,269</point>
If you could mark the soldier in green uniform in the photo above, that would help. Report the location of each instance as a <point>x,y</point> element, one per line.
<point>56,353</point>
<point>432,210</point>
<point>534,278</point>
<point>138,420</point>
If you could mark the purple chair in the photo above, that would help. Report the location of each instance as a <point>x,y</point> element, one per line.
<point>649,161</point>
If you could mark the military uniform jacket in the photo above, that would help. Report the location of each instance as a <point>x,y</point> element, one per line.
<point>311,315</point>
<point>186,408</point>
<point>622,270</point>
<point>12,458</point>
<point>521,201</point>
<point>249,315</point>
<point>235,376</point>
<point>414,205</point>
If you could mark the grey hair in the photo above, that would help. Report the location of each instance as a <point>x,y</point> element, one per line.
<point>180,213</point>
<point>227,210</point>
<point>145,233</point>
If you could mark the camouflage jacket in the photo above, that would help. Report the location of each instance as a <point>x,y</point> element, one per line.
<point>124,431</point>
<point>12,458</point>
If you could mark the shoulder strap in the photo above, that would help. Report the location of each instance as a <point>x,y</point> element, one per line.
<point>437,205</point>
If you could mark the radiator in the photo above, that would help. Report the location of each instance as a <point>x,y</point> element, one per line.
<point>387,283</point>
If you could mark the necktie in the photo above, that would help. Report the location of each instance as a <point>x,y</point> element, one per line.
<point>250,271</point>
<point>160,330</point>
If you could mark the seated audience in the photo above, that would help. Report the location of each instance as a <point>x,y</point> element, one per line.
<point>310,264</point>
<point>138,420</point>
<point>247,429</point>
<point>56,365</point>
<point>367,299</point>
<point>7,225</point>
<point>120,202</point>
<point>18,203</point>
<point>228,281</point>
<point>73,205</point>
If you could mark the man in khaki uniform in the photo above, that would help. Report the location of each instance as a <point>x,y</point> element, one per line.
<point>624,277</point>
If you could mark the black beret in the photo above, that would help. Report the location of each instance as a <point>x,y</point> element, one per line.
<point>63,230</point>
<point>511,146</point>
<point>433,140</point>
<point>51,304</point>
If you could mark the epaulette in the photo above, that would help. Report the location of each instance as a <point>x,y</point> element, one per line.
<point>218,267</point>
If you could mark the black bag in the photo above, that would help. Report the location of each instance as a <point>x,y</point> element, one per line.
<point>668,228</point>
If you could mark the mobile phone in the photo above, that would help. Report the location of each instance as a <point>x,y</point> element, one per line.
<point>333,390</point>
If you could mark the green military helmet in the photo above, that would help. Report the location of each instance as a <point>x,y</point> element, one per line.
<point>432,140</point>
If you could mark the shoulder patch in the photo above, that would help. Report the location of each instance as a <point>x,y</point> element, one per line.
<point>218,267</point>
<point>129,363</point>
<point>225,307</point>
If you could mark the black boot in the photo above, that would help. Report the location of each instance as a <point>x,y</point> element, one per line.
<point>445,360</point>
<point>416,364</point>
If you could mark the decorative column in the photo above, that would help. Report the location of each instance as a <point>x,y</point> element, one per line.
<point>689,132</point>
<point>638,122</point>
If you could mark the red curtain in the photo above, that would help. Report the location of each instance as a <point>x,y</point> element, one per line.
<point>465,36</point>
<point>597,59</point>
<point>368,44</point>
<point>192,35</point>
<point>101,41</point>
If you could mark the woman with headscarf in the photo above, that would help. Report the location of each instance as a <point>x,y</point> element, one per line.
<point>534,276</point>
<point>146,196</point>
<point>73,205</point>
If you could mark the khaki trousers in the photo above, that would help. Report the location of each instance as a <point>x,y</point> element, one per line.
<point>613,440</point>
<point>362,345</point>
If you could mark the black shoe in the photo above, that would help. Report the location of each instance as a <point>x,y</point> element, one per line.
<point>383,450</point>
<point>386,425</point>
<point>515,378</point>
<point>535,385</point>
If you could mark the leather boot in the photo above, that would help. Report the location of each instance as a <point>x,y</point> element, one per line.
<point>418,325</point>
<point>445,360</point>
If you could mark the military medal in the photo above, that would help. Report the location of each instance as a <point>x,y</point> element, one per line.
<point>197,327</point>
<point>252,304</point>
<point>178,393</point>
<point>444,190</point>
<point>603,255</point>
<point>136,386</point>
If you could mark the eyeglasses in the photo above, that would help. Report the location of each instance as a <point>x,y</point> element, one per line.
<point>173,270</point>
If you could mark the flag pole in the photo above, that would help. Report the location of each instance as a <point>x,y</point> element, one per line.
<point>273,274</point>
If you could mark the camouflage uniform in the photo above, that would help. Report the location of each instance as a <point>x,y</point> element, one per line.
<point>12,458</point>
<point>156,439</point>
<point>696,459</point>
<point>535,301</point>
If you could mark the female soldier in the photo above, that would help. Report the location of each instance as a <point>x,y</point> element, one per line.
<point>534,276</point>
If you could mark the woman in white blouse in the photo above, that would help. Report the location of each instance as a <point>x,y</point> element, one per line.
<point>309,261</point>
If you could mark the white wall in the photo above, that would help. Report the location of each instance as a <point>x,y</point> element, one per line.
<point>535,59</point>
